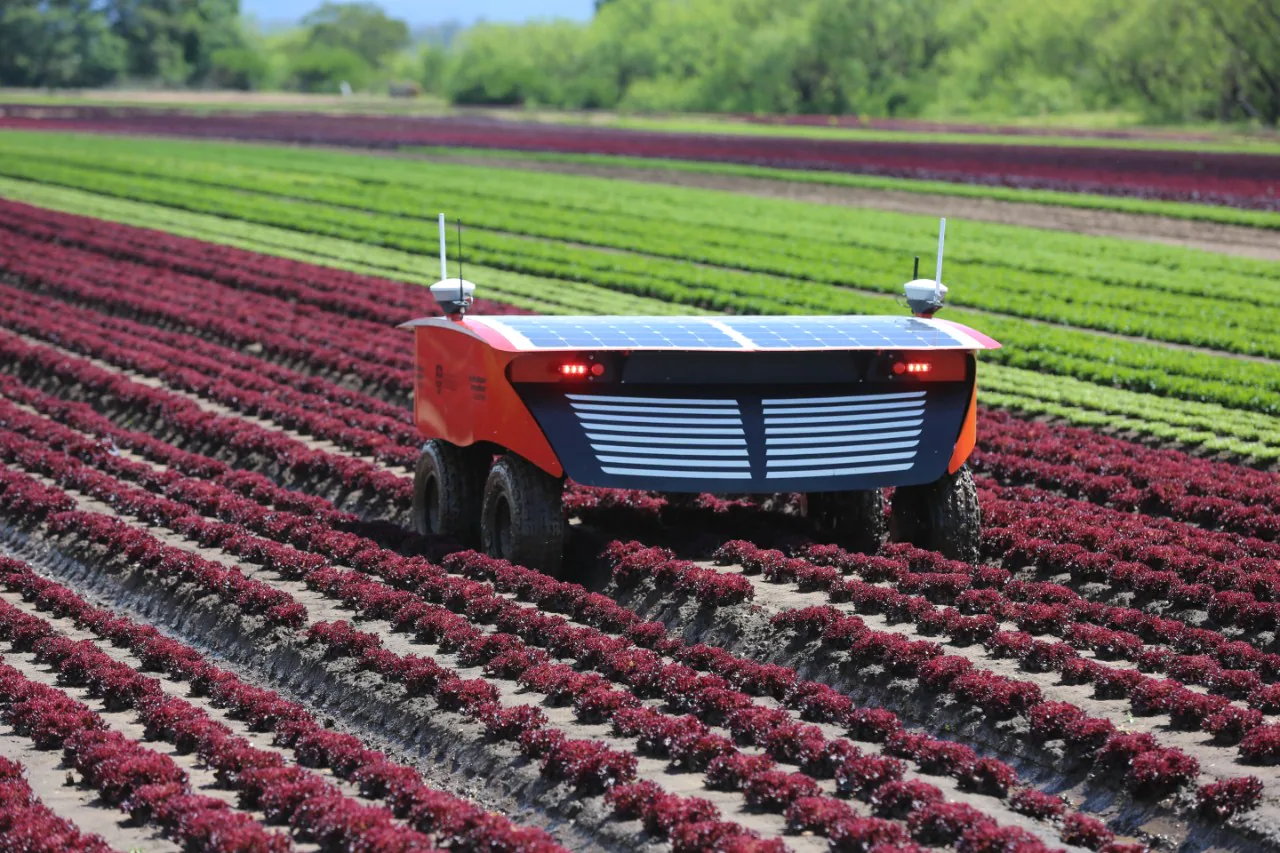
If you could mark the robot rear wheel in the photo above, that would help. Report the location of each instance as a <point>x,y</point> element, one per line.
<point>942,516</point>
<point>855,520</point>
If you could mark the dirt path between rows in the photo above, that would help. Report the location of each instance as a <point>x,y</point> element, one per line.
<point>1209,236</point>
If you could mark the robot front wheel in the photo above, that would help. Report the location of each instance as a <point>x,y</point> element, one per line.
<point>509,508</point>
<point>942,516</point>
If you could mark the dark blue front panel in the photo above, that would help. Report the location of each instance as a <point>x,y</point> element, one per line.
<point>753,439</point>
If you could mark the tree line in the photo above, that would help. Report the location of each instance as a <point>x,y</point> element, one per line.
<point>198,43</point>
<point>1167,60</point>
<point>1164,60</point>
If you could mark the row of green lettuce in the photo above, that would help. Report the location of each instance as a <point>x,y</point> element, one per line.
<point>1085,201</point>
<point>1240,433</point>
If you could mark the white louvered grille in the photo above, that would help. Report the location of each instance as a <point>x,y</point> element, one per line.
<point>842,436</point>
<point>665,437</point>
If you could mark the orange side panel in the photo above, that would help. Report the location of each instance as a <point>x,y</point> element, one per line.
<point>968,433</point>
<point>461,394</point>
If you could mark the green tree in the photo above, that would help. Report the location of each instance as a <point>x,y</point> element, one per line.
<point>57,43</point>
<point>174,41</point>
<point>361,28</point>
<point>238,68</point>
<point>323,69</point>
<point>1250,74</point>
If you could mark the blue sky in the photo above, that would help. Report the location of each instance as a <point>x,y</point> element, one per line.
<point>434,11</point>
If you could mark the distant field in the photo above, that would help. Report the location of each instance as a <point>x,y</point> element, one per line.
<point>1103,130</point>
<point>1248,181</point>
<point>228,101</point>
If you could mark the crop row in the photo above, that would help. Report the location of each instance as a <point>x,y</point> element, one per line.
<point>395,442</point>
<point>1207,426</point>
<point>389,440</point>
<point>718,583</point>
<point>587,764</point>
<point>517,292</point>
<point>1109,488</point>
<point>1176,210</point>
<point>1086,463</point>
<point>333,178</point>
<point>126,774</point>
<point>167,310</point>
<point>129,356</point>
<point>459,634</point>
<point>245,317</point>
<point>728,278</point>
<point>1149,770</point>
<point>1238,179</point>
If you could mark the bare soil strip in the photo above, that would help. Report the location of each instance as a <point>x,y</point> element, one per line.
<point>48,776</point>
<point>1209,236</point>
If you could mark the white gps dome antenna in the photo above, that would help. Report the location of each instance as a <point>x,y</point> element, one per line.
<point>925,296</point>
<point>453,295</point>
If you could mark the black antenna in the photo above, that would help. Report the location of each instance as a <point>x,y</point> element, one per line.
<point>915,273</point>
<point>461,295</point>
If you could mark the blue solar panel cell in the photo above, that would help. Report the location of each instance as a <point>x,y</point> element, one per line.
<point>552,332</point>
<point>839,332</point>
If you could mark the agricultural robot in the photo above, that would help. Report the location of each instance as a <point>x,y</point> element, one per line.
<point>835,408</point>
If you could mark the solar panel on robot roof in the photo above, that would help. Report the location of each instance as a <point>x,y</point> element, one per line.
<point>732,333</point>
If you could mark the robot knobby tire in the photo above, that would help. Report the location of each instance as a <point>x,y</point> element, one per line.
<point>448,486</point>
<point>942,516</point>
<point>856,520</point>
<point>522,518</point>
